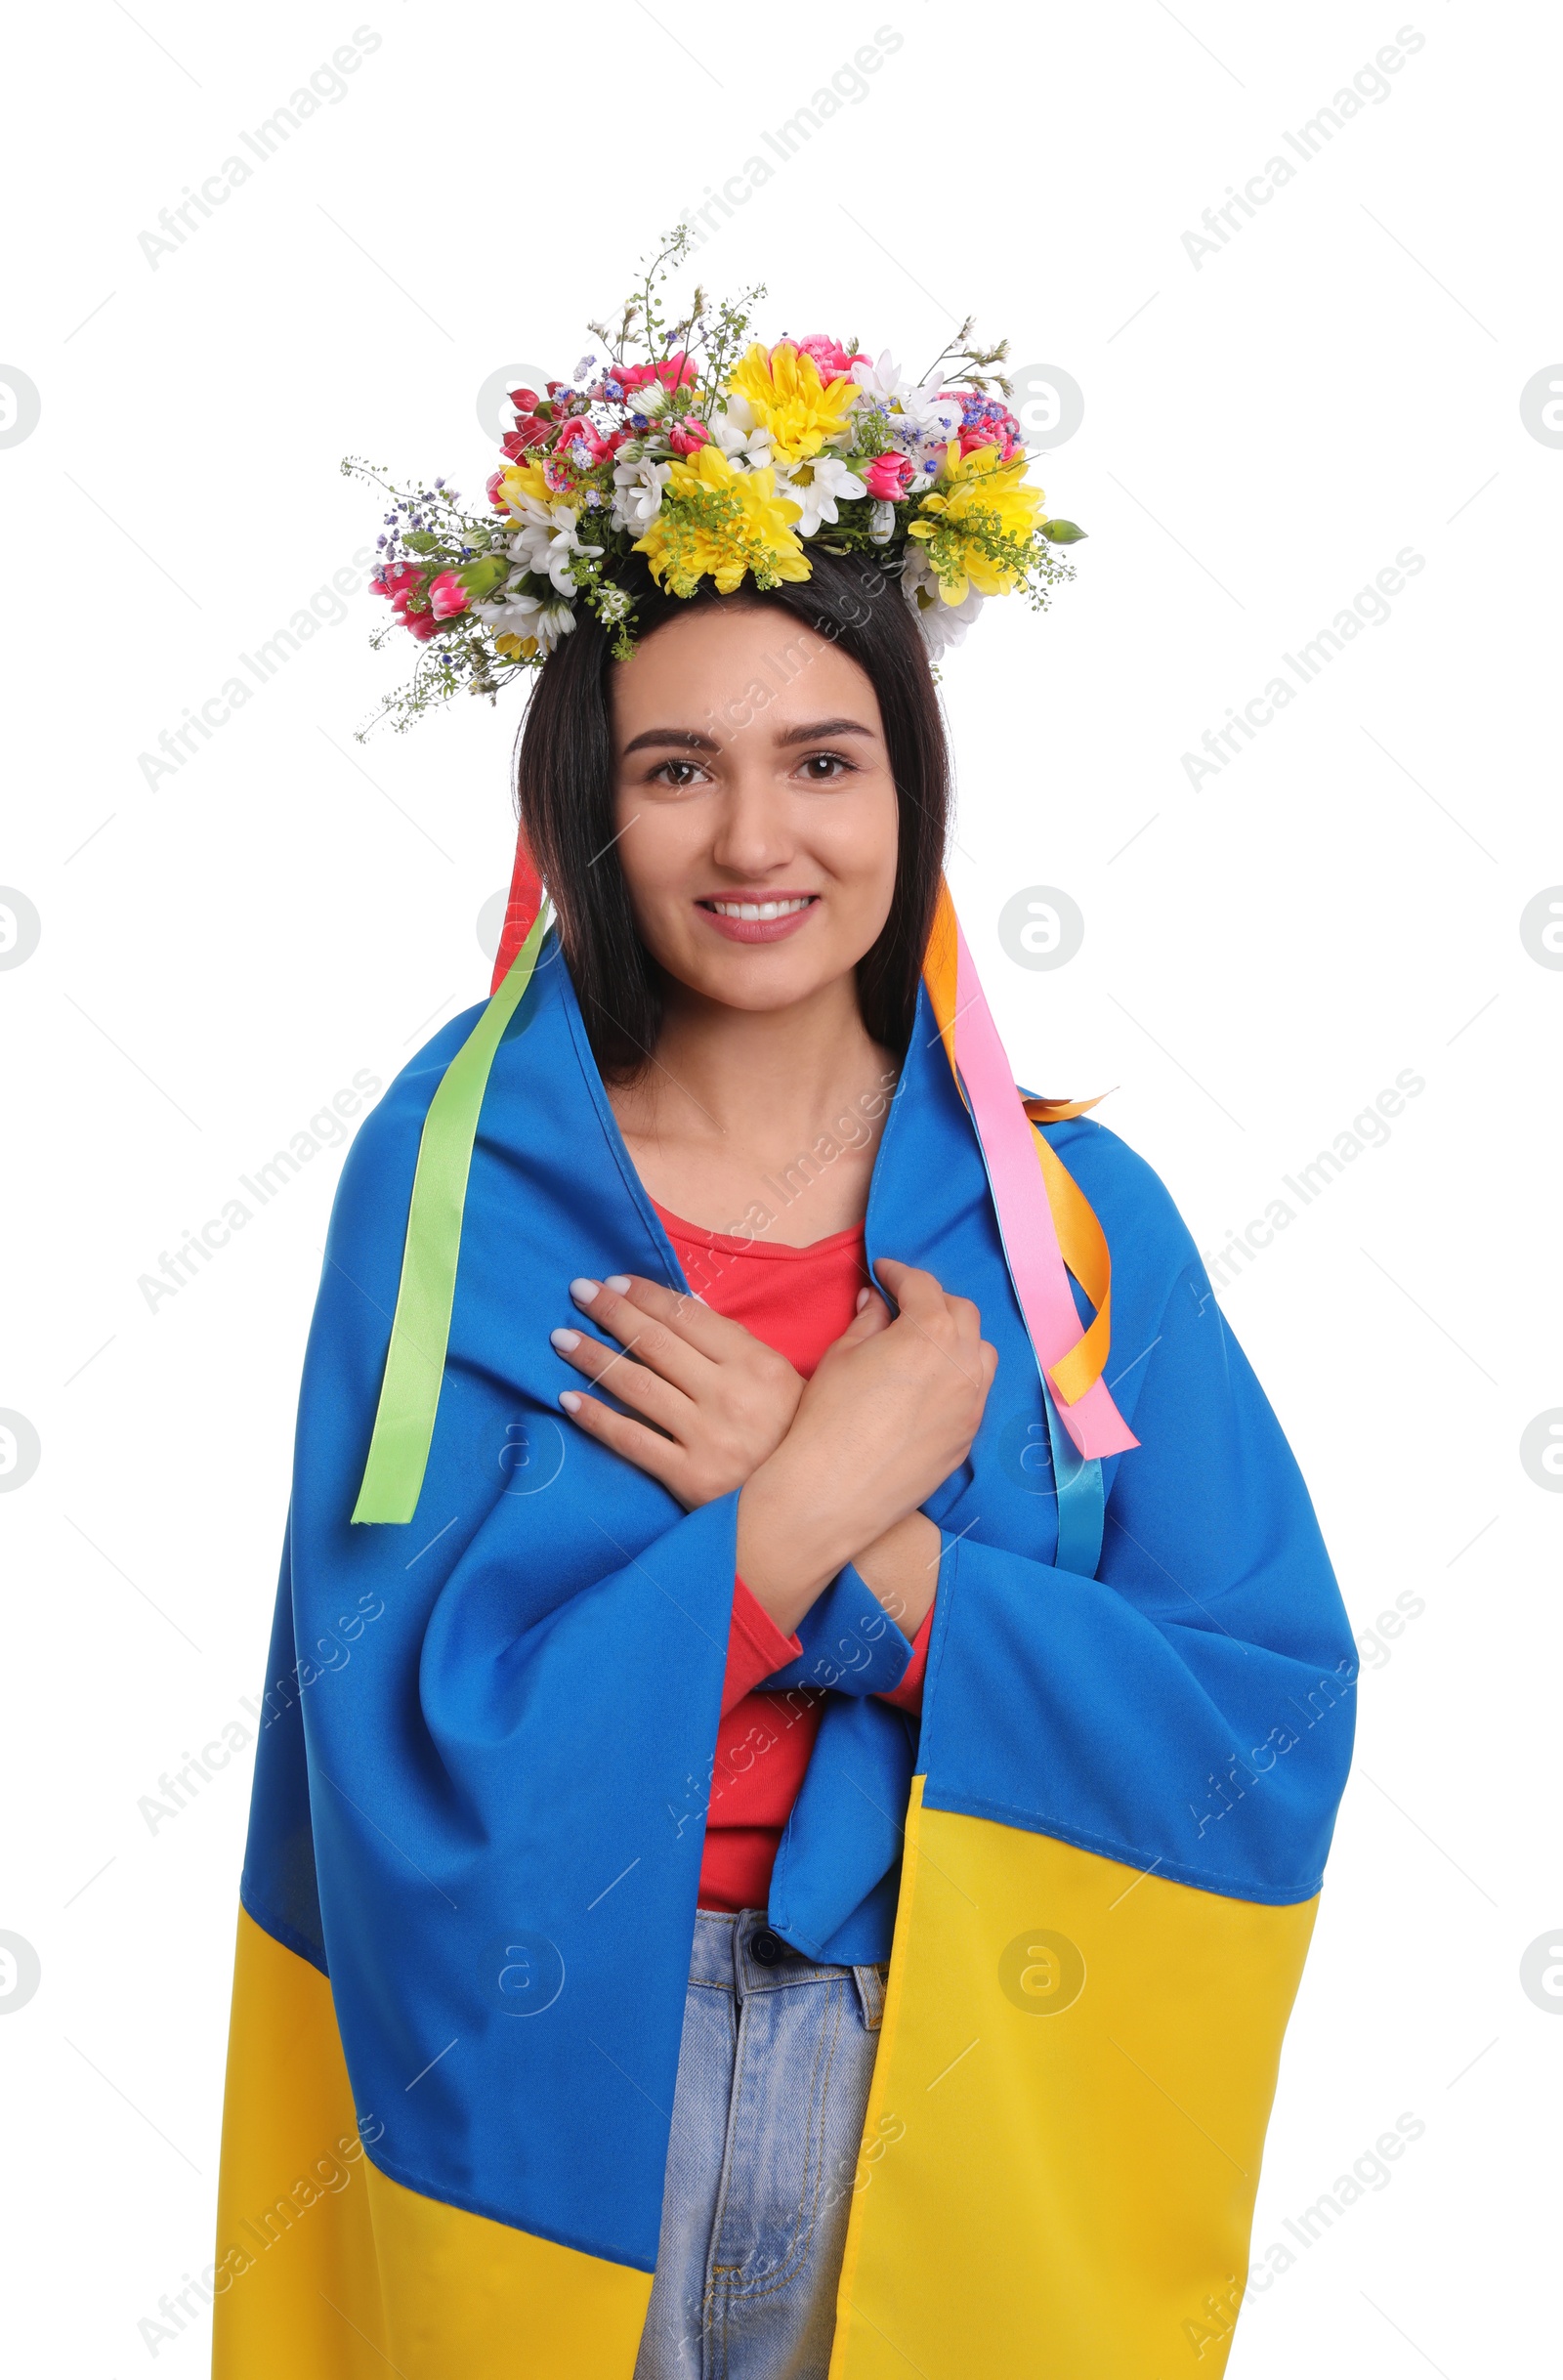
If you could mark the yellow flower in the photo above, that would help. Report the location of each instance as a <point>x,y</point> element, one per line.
<point>979,498</point>
<point>526,479</point>
<point>516,648</point>
<point>717,520</point>
<point>789,398</point>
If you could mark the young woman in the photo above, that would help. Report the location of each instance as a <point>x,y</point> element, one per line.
<point>769,1855</point>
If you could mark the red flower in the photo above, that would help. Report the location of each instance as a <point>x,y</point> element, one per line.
<point>674,372</point>
<point>492,487</point>
<point>399,584</point>
<point>528,431</point>
<point>447,597</point>
<point>689,435</point>
<point>423,625</point>
<point>887,477</point>
<point>525,401</point>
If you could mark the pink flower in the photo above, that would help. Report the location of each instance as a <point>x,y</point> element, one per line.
<point>423,625</point>
<point>446,596</point>
<point>689,435</point>
<point>985,423</point>
<point>831,359</point>
<point>674,372</point>
<point>975,434</point>
<point>492,485</point>
<point>583,443</point>
<point>887,477</point>
<point>525,401</point>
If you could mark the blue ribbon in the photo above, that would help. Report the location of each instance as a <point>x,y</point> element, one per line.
<point>1081,1502</point>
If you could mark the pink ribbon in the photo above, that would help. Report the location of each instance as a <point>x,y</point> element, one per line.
<point>1025,1219</point>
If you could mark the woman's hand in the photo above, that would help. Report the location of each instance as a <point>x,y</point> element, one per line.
<point>890,1413</point>
<point>718,1400</point>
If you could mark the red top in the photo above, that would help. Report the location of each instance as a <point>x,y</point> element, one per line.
<point>799,1300</point>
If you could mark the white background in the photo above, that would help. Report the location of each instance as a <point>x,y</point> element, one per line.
<point>222,950</point>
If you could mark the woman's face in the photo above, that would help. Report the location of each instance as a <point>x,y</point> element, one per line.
<point>755,808</point>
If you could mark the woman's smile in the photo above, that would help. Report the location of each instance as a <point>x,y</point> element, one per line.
<point>757,916</point>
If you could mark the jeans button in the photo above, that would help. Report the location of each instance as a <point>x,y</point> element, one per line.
<point>767,1947</point>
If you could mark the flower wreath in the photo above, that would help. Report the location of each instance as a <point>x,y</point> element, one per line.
<point>712,455</point>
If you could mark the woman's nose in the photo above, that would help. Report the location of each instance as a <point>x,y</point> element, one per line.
<point>753,833</point>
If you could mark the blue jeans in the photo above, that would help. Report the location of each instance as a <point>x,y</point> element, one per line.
<point>773,2081</point>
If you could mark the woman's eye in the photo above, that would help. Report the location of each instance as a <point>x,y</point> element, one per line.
<point>820,768</point>
<point>678,774</point>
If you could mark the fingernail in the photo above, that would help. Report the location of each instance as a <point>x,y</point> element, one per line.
<point>569,1400</point>
<point>583,1292</point>
<point>617,1282</point>
<point>565,1340</point>
<point>862,1299</point>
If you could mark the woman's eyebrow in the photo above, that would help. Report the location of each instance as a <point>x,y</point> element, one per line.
<point>816,729</point>
<point>682,739</point>
<point>691,740</point>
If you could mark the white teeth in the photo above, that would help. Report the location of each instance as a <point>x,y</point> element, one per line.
<point>755,909</point>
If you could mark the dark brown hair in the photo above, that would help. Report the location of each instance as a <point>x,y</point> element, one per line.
<point>565,786</point>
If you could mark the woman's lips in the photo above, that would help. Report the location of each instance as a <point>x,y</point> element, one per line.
<point>756,927</point>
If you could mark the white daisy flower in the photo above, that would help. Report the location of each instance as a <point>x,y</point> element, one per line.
<point>638,492</point>
<point>815,486</point>
<point>525,510</point>
<point>934,416</point>
<point>546,544</point>
<point>943,625</point>
<point>528,616</point>
<point>554,620</point>
<point>920,419</point>
<point>883,381</point>
<point>510,614</point>
<point>740,437</point>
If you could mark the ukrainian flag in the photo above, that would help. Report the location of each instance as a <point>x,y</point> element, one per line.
<point>475,1844</point>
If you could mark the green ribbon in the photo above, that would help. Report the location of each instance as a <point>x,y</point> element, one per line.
<point>420,1333</point>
